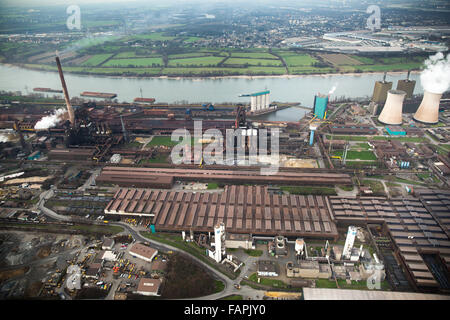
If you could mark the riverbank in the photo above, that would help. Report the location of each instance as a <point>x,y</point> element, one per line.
<point>298,89</point>
<point>46,68</point>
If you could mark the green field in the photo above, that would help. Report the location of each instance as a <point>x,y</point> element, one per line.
<point>200,61</point>
<point>267,281</point>
<point>136,62</point>
<point>357,155</point>
<point>96,60</point>
<point>155,36</point>
<point>253,55</point>
<point>298,60</point>
<point>144,55</point>
<point>376,186</point>
<point>252,62</point>
<point>189,55</point>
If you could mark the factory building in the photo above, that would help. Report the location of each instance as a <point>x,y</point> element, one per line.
<point>73,154</point>
<point>149,287</point>
<point>412,226</point>
<point>267,268</point>
<point>164,177</point>
<point>237,241</point>
<point>308,269</point>
<point>243,210</point>
<point>352,128</point>
<point>143,252</point>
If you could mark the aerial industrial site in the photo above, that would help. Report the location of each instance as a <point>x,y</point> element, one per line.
<point>151,200</point>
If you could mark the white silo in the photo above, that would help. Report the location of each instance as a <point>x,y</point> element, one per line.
<point>349,241</point>
<point>393,108</point>
<point>428,111</point>
<point>219,240</point>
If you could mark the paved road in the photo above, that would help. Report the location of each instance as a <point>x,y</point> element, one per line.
<point>229,283</point>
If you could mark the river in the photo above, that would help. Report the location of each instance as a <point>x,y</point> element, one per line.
<point>172,90</point>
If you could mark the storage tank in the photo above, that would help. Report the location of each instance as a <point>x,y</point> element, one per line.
<point>428,111</point>
<point>392,110</point>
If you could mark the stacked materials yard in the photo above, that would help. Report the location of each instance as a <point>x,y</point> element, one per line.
<point>243,209</point>
<point>145,177</point>
<point>412,228</point>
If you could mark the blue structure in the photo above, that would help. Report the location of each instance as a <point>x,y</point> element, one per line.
<point>208,107</point>
<point>320,106</point>
<point>311,138</point>
<point>34,156</point>
<point>152,228</point>
<point>396,131</point>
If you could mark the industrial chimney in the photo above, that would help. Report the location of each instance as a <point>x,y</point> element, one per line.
<point>428,111</point>
<point>392,110</point>
<point>66,93</point>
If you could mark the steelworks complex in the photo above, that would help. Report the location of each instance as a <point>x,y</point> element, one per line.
<point>345,167</point>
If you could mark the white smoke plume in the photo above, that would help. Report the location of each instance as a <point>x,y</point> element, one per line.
<point>51,120</point>
<point>333,89</point>
<point>3,138</point>
<point>435,78</point>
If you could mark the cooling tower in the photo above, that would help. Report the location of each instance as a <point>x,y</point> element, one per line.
<point>428,111</point>
<point>392,110</point>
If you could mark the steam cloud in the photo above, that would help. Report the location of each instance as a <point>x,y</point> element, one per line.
<point>51,120</point>
<point>3,138</point>
<point>436,76</point>
<point>333,89</point>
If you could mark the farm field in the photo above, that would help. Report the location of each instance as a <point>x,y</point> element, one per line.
<point>96,60</point>
<point>134,62</point>
<point>298,60</point>
<point>253,62</point>
<point>253,55</point>
<point>340,59</point>
<point>143,55</point>
<point>200,61</point>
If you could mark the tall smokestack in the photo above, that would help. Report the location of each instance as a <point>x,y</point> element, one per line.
<point>66,93</point>
<point>392,110</point>
<point>428,111</point>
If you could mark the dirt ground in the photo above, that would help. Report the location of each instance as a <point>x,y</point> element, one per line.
<point>9,274</point>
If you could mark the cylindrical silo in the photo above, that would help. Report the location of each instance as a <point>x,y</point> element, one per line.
<point>428,111</point>
<point>392,110</point>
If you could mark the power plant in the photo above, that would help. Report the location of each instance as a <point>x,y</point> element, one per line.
<point>407,86</point>
<point>428,111</point>
<point>380,90</point>
<point>392,110</point>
